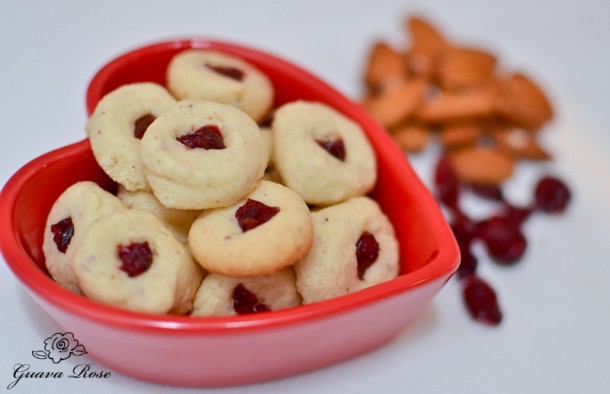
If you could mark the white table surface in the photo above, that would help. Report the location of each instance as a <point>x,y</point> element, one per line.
<point>555,337</point>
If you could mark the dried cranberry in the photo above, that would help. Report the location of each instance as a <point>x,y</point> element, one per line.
<point>63,231</point>
<point>464,231</point>
<point>517,215</point>
<point>447,184</point>
<point>503,239</point>
<point>141,125</point>
<point>254,213</point>
<point>206,137</point>
<point>552,195</point>
<point>481,301</point>
<point>244,301</point>
<point>137,257</point>
<point>335,147</point>
<point>231,72</point>
<point>367,251</point>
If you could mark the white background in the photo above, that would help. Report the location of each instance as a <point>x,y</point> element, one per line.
<point>555,337</point>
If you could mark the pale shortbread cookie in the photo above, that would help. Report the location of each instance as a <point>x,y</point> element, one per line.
<point>179,221</point>
<point>216,76</point>
<point>112,129</point>
<point>72,213</point>
<point>220,245</point>
<point>216,295</point>
<point>330,269</point>
<point>185,177</point>
<point>319,177</point>
<point>268,137</point>
<point>166,283</point>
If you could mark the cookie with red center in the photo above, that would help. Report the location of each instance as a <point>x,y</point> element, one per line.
<point>321,154</point>
<point>221,295</point>
<point>70,216</point>
<point>130,260</point>
<point>354,247</point>
<point>117,125</point>
<point>216,76</point>
<point>201,154</point>
<point>266,231</point>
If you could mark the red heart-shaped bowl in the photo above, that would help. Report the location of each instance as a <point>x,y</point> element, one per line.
<point>220,351</point>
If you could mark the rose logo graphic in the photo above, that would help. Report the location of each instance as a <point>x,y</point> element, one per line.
<point>59,347</point>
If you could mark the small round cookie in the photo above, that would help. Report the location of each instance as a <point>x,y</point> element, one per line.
<point>201,154</point>
<point>354,247</point>
<point>268,230</point>
<point>131,260</point>
<point>321,154</point>
<point>205,74</point>
<point>221,295</point>
<point>268,137</point>
<point>179,221</point>
<point>72,213</point>
<point>117,125</point>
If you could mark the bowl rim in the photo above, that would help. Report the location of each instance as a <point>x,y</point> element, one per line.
<point>439,265</point>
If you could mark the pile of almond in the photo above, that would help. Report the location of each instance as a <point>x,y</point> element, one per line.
<point>485,117</point>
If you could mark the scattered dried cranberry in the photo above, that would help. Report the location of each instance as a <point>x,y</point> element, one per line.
<point>464,231</point>
<point>335,147</point>
<point>231,72</point>
<point>244,301</point>
<point>136,257</point>
<point>552,195</point>
<point>504,240</point>
<point>367,251</point>
<point>141,125</point>
<point>481,301</point>
<point>206,137</point>
<point>447,184</point>
<point>63,231</point>
<point>254,213</point>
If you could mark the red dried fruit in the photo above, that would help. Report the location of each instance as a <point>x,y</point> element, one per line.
<point>231,72</point>
<point>63,231</point>
<point>336,148</point>
<point>254,213</point>
<point>206,137</point>
<point>141,125</point>
<point>464,231</point>
<point>481,301</point>
<point>367,252</point>
<point>137,257</point>
<point>244,301</point>
<point>447,184</point>
<point>503,238</point>
<point>552,195</point>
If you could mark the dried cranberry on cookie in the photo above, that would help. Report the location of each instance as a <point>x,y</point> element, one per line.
<point>321,154</point>
<point>221,295</point>
<point>72,213</point>
<point>117,125</point>
<point>205,74</point>
<point>130,260</point>
<point>267,230</point>
<point>354,247</point>
<point>202,154</point>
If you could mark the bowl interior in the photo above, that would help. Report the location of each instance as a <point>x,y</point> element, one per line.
<point>428,250</point>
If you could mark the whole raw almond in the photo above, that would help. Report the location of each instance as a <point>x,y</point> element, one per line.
<point>453,106</point>
<point>523,102</point>
<point>459,134</point>
<point>411,137</point>
<point>520,144</point>
<point>397,104</point>
<point>461,67</point>
<point>481,165</point>
<point>384,63</point>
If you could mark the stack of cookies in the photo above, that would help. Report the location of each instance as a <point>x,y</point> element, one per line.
<point>225,205</point>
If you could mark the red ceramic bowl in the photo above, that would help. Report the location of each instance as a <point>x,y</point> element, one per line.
<point>243,349</point>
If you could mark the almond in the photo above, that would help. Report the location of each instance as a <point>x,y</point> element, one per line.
<point>454,135</point>
<point>523,102</point>
<point>520,144</point>
<point>451,106</point>
<point>384,63</point>
<point>481,165</point>
<point>465,67</point>
<point>397,104</point>
<point>411,137</point>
